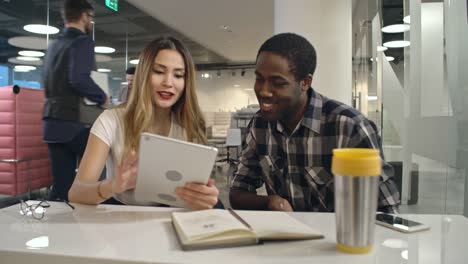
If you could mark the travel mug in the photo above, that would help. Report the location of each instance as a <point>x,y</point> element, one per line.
<point>356,187</point>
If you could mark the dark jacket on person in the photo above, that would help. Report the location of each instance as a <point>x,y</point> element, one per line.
<point>67,80</point>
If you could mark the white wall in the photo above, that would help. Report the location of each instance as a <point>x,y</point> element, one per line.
<point>430,114</point>
<point>221,95</point>
<point>327,24</point>
<point>456,14</point>
<point>434,94</point>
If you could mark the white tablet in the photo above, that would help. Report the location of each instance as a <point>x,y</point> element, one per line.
<point>165,163</point>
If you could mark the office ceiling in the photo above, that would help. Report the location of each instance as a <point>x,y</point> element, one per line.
<point>393,13</point>
<point>129,27</point>
<point>249,23</point>
<point>217,32</point>
<point>235,29</point>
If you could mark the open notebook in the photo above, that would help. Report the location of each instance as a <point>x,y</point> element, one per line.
<point>227,228</point>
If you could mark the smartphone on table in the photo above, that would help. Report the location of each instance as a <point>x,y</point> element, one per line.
<point>399,223</point>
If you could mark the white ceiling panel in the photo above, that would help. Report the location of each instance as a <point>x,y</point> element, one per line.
<point>249,23</point>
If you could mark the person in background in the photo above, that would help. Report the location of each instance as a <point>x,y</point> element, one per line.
<point>163,101</point>
<point>67,69</point>
<point>125,92</point>
<point>290,140</point>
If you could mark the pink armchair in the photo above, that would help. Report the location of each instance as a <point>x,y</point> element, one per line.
<point>24,160</point>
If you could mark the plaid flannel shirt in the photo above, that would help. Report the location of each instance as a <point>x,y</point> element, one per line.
<point>297,166</point>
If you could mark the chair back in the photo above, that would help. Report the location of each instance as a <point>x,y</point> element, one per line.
<point>24,158</point>
<point>233,137</point>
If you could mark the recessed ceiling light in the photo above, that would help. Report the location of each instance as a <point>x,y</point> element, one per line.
<point>226,28</point>
<point>25,67</point>
<point>41,29</point>
<point>205,75</point>
<point>14,60</point>
<point>407,19</point>
<point>389,58</point>
<point>397,44</point>
<point>29,42</point>
<point>248,89</point>
<point>20,70</point>
<point>103,49</point>
<point>236,85</point>
<point>116,78</point>
<point>103,58</point>
<point>397,28</point>
<point>103,70</point>
<point>381,48</point>
<point>31,53</point>
<point>124,83</point>
<point>372,97</point>
<point>134,62</point>
<point>23,58</point>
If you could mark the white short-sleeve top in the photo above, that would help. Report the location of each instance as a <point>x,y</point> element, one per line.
<point>109,128</point>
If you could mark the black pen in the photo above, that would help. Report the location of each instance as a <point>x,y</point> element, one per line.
<point>239,218</point>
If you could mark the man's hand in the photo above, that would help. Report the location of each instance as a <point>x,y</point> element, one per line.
<point>276,203</point>
<point>199,196</point>
<point>126,174</point>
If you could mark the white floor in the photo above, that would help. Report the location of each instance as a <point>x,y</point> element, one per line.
<point>441,188</point>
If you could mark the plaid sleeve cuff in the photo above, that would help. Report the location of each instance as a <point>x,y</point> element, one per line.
<point>239,184</point>
<point>388,194</point>
<point>388,209</point>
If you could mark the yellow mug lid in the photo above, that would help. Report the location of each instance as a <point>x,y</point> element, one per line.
<point>356,162</point>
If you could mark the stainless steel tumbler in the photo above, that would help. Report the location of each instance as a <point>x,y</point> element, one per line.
<point>356,187</point>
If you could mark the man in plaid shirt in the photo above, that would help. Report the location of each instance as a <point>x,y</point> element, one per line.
<point>290,140</point>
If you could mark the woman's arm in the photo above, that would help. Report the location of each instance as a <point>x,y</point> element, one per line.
<point>85,187</point>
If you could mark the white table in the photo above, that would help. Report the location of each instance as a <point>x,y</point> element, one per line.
<point>130,234</point>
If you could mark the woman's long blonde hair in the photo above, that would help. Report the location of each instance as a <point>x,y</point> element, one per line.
<point>140,110</point>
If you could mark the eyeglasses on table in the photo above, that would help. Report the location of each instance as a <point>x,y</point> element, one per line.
<point>37,210</point>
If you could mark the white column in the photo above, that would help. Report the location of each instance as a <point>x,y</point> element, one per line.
<point>456,38</point>
<point>327,24</point>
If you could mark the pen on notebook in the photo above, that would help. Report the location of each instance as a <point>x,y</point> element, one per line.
<point>239,218</point>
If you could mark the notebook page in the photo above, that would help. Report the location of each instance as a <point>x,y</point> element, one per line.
<point>268,224</point>
<point>205,223</point>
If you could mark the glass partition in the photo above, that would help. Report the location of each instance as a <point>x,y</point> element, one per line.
<point>24,33</point>
<point>416,73</point>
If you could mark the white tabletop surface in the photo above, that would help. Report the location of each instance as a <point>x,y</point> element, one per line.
<point>130,234</point>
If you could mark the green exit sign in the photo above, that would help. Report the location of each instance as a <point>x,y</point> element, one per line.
<point>113,4</point>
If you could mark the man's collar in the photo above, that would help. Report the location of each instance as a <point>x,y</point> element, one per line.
<point>313,112</point>
<point>73,30</point>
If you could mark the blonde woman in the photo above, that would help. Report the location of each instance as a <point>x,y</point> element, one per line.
<point>163,101</point>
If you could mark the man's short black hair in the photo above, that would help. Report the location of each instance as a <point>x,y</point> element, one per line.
<point>72,9</point>
<point>294,48</point>
<point>130,70</point>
